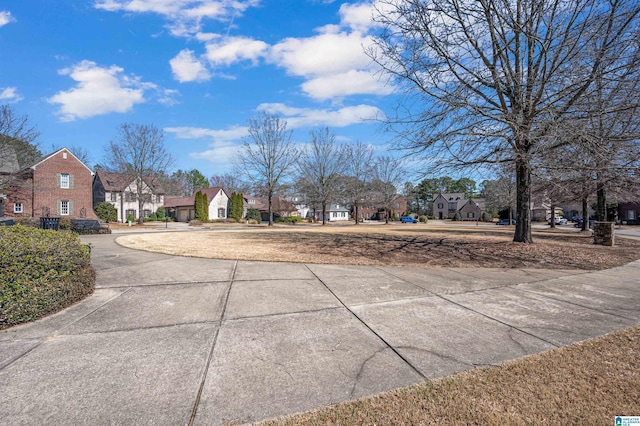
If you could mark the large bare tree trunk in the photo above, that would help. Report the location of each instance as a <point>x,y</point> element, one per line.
<point>357,211</point>
<point>585,214</point>
<point>523,202</point>
<point>553,214</point>
<point>324,213</point>
<point>601,202</point>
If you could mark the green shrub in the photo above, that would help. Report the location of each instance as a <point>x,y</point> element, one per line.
<point>456,217</point>
<point>161,213</point>
<point>254,214</point>
<point>106,212</point>
<point>423,219</point>
<point>42,273</point>
<point>153,217</point>
<point>130,218</point>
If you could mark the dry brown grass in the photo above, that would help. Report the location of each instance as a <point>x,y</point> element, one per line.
<point>587,383</point>
<point>433,246</point>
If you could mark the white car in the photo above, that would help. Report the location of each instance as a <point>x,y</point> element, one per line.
<point>559,221</point>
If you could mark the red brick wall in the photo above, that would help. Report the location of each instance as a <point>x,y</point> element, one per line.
<point>46,194</point>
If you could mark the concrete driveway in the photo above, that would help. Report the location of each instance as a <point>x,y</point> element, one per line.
<point>173,340</point>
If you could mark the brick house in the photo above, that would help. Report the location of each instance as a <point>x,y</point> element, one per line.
<point>58,185</point>
<point>121,191</point>
<point>446,205</point>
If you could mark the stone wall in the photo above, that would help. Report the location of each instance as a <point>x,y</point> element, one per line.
<point>603,233</point>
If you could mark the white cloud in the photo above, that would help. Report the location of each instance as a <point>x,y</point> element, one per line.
<point>98,91</point>
<point>224,147</point>
<point>186,67</point>
<point>323,54</point>
<point>6,18</point>
<point>168,97</point>
<point>235,49</point>
<point>357,16</point>
<point>231,134</point>
<point>10,95</point>
<point>349,83</point>
<point>308,117</point>
<point>184,16</point>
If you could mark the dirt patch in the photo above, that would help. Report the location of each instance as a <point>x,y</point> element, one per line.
<point>393,245</point>
<point>586,383</point>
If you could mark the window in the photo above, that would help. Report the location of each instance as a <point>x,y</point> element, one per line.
<point>114,196</point>
<point>453,206</point>
<point>471,215</point>
<point>17,207</point>
<point>147,213</point>
<point>64,180</point>
<point>130,196</point>
<point>440,205</point>
<point>221,213</point>
<point>64,208</point>
<point>131,213</point>
<point>631,214</point>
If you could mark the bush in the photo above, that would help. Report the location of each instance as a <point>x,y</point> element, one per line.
<point>423,219</point>
<point>106,212</point>
<point>253,214</point>
<point>456,217</point>
<point>130,218</point>
<point>161,214</point>
<point>42,273</point>
<point>153,217</point>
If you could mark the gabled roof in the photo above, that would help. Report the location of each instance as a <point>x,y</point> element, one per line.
<point>190,201</point>
<point>47,157</point>
<point>118,182</point>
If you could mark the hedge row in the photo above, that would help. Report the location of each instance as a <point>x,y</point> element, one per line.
<point>42,273</point>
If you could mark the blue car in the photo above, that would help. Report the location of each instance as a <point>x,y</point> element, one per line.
<point>408,219</point>
<point>505,222</point>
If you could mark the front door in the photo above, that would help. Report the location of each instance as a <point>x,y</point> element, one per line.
<point>440,215</point>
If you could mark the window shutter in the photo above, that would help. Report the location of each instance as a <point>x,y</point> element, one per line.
<point>58,178</point>
<point>70,181</point>
<point>70,208</point>
<point>59,203</point>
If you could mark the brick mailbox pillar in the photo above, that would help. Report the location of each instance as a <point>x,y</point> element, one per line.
<point>603,233</point>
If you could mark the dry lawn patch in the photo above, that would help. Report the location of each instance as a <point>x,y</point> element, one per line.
<point>587,383</point>
<point>393,245</point>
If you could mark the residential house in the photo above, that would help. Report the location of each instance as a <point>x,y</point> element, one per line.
<point>472,209</point>
<point>121,191</point>
<point>57,185</point>
<point>542,212</point>
<point>300,205</point>
<point>183,209</point>
<point>629,212</point>
<point>335,213</point>
<point>445,206</point>
<point>280,207</point>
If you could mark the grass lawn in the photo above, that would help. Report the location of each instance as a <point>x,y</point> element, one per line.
<point>409,244</point>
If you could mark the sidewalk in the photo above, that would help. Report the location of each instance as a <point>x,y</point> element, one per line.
<point>169,340</point>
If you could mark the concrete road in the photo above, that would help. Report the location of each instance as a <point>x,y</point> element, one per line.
<point>173,340</point>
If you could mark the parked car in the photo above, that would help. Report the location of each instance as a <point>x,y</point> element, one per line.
<point>505,222</point>
<point>559,221</point>
<point>408,219</point>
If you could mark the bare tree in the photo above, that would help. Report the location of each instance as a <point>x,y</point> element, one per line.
<point>18,140</point>
<point>491,77</point>
<point>500,194</point>
<point>321,166</point>
<point>388,174</point>
<point>267,155</point>
<point>359,167</point>
<point>230,183</point>
<point>139,153</point>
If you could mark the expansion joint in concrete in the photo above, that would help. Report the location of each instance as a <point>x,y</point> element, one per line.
<point>382,339</point>
<point>213,346</point>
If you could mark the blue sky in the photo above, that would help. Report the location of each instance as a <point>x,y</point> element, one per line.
<point>199,69</point>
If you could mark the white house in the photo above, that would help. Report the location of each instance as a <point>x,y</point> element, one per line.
<point>183,208</point>
<point>122,192</point>
<point>335,212</point>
